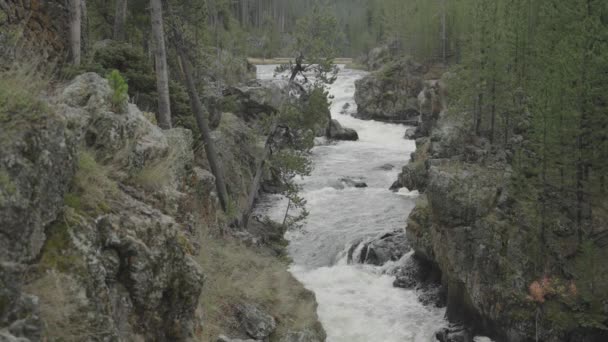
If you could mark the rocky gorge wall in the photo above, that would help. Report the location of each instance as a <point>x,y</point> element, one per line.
<point>504,272</point>
<point>110,229</point>
<point>505,269</point>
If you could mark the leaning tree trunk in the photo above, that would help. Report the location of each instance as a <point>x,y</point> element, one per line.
<point>120,19</point>
<point>162,73</point>
<point>201,115</point>
<point>257,180</point>
<point>75,31</point>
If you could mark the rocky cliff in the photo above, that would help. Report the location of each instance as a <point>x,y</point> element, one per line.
<point>505,272</point>
<point>110,229</point>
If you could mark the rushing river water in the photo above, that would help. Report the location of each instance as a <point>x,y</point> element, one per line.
<point>357,303</point>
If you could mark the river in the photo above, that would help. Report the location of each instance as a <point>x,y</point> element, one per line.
<point>357,303</point>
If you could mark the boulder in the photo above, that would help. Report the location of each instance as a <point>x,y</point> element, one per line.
<point>386,167</point>
<point>388,247</point>
<point>255,322</point>
<point>337,132</point>
<point>258,98</point>
<point>454,334</point>
<point>411,133</point>
<point>353,182</point>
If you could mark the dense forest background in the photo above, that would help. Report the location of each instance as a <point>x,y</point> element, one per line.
<point>534,66</point>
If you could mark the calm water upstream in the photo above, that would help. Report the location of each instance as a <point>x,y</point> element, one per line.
<point>357,303</point>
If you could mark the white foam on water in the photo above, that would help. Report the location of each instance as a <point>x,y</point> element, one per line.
<point>356,302</point>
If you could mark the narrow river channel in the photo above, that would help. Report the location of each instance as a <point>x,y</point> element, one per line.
<point>357,303</point>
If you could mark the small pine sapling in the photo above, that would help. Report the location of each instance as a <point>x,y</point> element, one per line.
<point>120,91</point>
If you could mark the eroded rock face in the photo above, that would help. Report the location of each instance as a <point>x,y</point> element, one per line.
<point>37,162</point>
<point>121,271</point>
<point>485,238</point>
<point>391,93</point>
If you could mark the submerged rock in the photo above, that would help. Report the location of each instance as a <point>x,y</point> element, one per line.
<point>386,167</point>
<point>337,132</point>
<point>455,333</point>
<point>353,182</point>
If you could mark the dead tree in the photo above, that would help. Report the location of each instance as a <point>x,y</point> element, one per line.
<point>162,72</point>
<point>75,30</point>
<point>201,116</point>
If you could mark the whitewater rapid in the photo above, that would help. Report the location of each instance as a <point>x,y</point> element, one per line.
<point>357,303</point>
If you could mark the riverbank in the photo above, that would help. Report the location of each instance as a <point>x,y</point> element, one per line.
<point>124,236</point>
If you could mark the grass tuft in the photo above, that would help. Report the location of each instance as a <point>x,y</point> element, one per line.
<point>92,189</point>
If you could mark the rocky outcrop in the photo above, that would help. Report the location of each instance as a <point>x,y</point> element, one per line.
<point>484,236</point>
<point>391,93</point>
<point>99,247</point>
<point>337,132</point>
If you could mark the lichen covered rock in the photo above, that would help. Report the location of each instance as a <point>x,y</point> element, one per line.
<point>391,93</point>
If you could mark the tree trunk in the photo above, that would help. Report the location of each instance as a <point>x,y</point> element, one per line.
<point>200,114</point>
<point>162,73</point>
<point>75,30</point>
<point>84,34</point>
<point>120,19</point>
<point>444,39</point>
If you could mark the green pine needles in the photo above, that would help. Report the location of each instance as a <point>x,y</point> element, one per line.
<point>120,91</point>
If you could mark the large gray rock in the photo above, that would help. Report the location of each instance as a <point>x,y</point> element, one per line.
<point>259,98</point>
<point>391,93</point>
<point>388,247</point>
<point>255,322</point>
<point>337,132</point>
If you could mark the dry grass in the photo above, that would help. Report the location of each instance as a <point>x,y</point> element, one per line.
<point>92,190</point>
<point>61,300</point>
<point>21,104</point>
<point>236,273</point>
<point>157,176</point>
